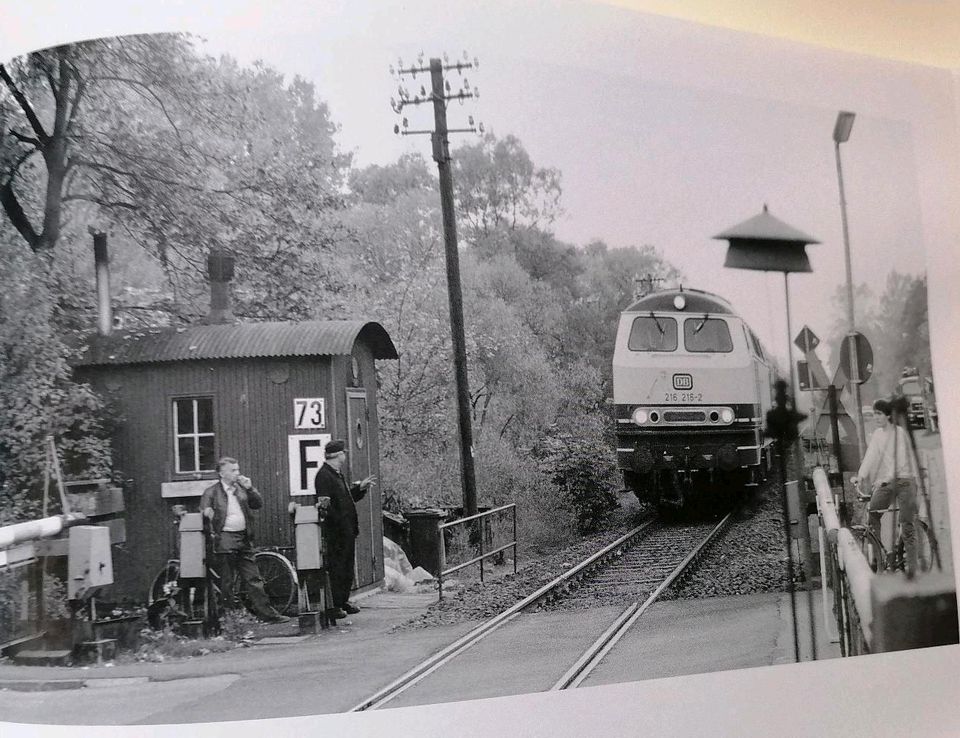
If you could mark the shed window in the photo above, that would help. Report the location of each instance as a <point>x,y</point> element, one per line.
<point>710,335</point>
<point>193,434</point>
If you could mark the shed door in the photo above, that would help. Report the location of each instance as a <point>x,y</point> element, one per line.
<point>359,456</point>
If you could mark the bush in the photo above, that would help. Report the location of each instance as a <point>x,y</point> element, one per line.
<point>504,475</point>
<point>581,467</point>
<point>507,475</point>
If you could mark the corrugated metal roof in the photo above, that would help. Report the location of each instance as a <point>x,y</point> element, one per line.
<point>236,341</point>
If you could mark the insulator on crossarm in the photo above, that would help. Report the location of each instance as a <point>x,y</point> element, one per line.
<point>476,62</point>
<point>406,123</point>
<point>396,128</point>
<point>476,92</point>
<point>480,129</point>
<point>470,120</point>
<point>446,85</point>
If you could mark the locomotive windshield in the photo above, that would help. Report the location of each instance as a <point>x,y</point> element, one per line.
<point>911,387</point>
<point>652,333</point>
<point>708,335</point>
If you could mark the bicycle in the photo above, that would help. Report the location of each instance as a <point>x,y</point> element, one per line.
<point>279,578</point>
<point>880,558</point>
<point>172,600</point>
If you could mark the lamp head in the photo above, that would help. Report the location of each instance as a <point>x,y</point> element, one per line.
<point>843,126</point>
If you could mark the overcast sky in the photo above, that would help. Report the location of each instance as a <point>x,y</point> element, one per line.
<point>665,132</point>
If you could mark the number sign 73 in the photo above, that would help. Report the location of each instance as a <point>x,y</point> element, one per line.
<point>309,413</point>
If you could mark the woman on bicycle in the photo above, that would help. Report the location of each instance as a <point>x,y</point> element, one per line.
<point>890,465</point>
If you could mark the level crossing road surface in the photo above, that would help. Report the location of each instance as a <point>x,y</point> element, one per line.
<point>337,669</point>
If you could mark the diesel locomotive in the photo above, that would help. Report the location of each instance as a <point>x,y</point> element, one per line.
<point>691,387</point>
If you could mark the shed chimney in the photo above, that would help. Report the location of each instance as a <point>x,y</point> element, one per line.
<point>220,271</point>
<point>101,260</point>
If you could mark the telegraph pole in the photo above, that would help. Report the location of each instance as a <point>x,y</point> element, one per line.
<point>439,94</point>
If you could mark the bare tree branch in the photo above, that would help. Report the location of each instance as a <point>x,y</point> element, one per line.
<point>23,138</point>
<point>17,217</point>
<point>24,105</point>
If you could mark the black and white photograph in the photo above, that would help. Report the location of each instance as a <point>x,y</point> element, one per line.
<point>366,361</point>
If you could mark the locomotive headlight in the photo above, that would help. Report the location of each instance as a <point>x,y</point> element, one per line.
<point>640,416</point>
<point>679,302</point>
<point>726,415</point>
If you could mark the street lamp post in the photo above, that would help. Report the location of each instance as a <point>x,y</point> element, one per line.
<point>841,132</point>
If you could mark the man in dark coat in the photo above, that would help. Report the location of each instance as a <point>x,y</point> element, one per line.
<point>227,505</point>
<point>342,527</point>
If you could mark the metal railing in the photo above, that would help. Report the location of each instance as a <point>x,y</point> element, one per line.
<point>482,518</point>
<point>844,566</point>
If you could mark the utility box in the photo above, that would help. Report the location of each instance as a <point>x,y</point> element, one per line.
<point>192,548</point>
<point>309,555</point>
<point>89,564</point>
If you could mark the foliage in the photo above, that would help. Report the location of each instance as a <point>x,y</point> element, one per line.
<point>895,323</point>
<point>572,464</point>
<point>497,185</point>
<point>12,582</point>
<point>156,646</point>
<point>577,452</point>
<point>178,152</point>
<point>38,396</point>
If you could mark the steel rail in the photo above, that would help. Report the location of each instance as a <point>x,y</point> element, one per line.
<point>592,657</point>
<point>434,662</point>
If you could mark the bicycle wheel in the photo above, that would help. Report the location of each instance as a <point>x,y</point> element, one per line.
<point>872,548</point>
<point>279,579</point>
<point>926,546</point>
<point>212,608</point>
<point>169,573</point>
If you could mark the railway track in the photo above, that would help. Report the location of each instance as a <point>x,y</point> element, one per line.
<point>635,569</point>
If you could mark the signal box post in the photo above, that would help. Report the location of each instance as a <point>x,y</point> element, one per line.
<point>311,569</point>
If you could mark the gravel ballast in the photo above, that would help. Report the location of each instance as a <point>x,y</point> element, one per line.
<point>749,558</point>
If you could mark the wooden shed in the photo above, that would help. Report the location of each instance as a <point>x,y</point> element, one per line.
<point>269,394</point>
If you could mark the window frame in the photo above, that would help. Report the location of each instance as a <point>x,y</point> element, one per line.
<point>195,433</point>
<point>662,319</point>
<point>708,318</point>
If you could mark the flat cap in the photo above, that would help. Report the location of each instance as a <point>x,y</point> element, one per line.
<point>334,447</point>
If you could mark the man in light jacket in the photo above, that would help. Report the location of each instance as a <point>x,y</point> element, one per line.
<point>227,505</point>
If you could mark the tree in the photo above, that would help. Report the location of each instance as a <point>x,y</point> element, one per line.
<point>497,185</point>
<point>68,117</point>
<point>38,397</point>
<point>895,323</point>
<point>178,152</point>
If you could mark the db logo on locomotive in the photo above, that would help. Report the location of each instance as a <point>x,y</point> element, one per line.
<point>682,381</point>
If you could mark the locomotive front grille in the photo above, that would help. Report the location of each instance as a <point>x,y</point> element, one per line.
<point>684,416</point>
